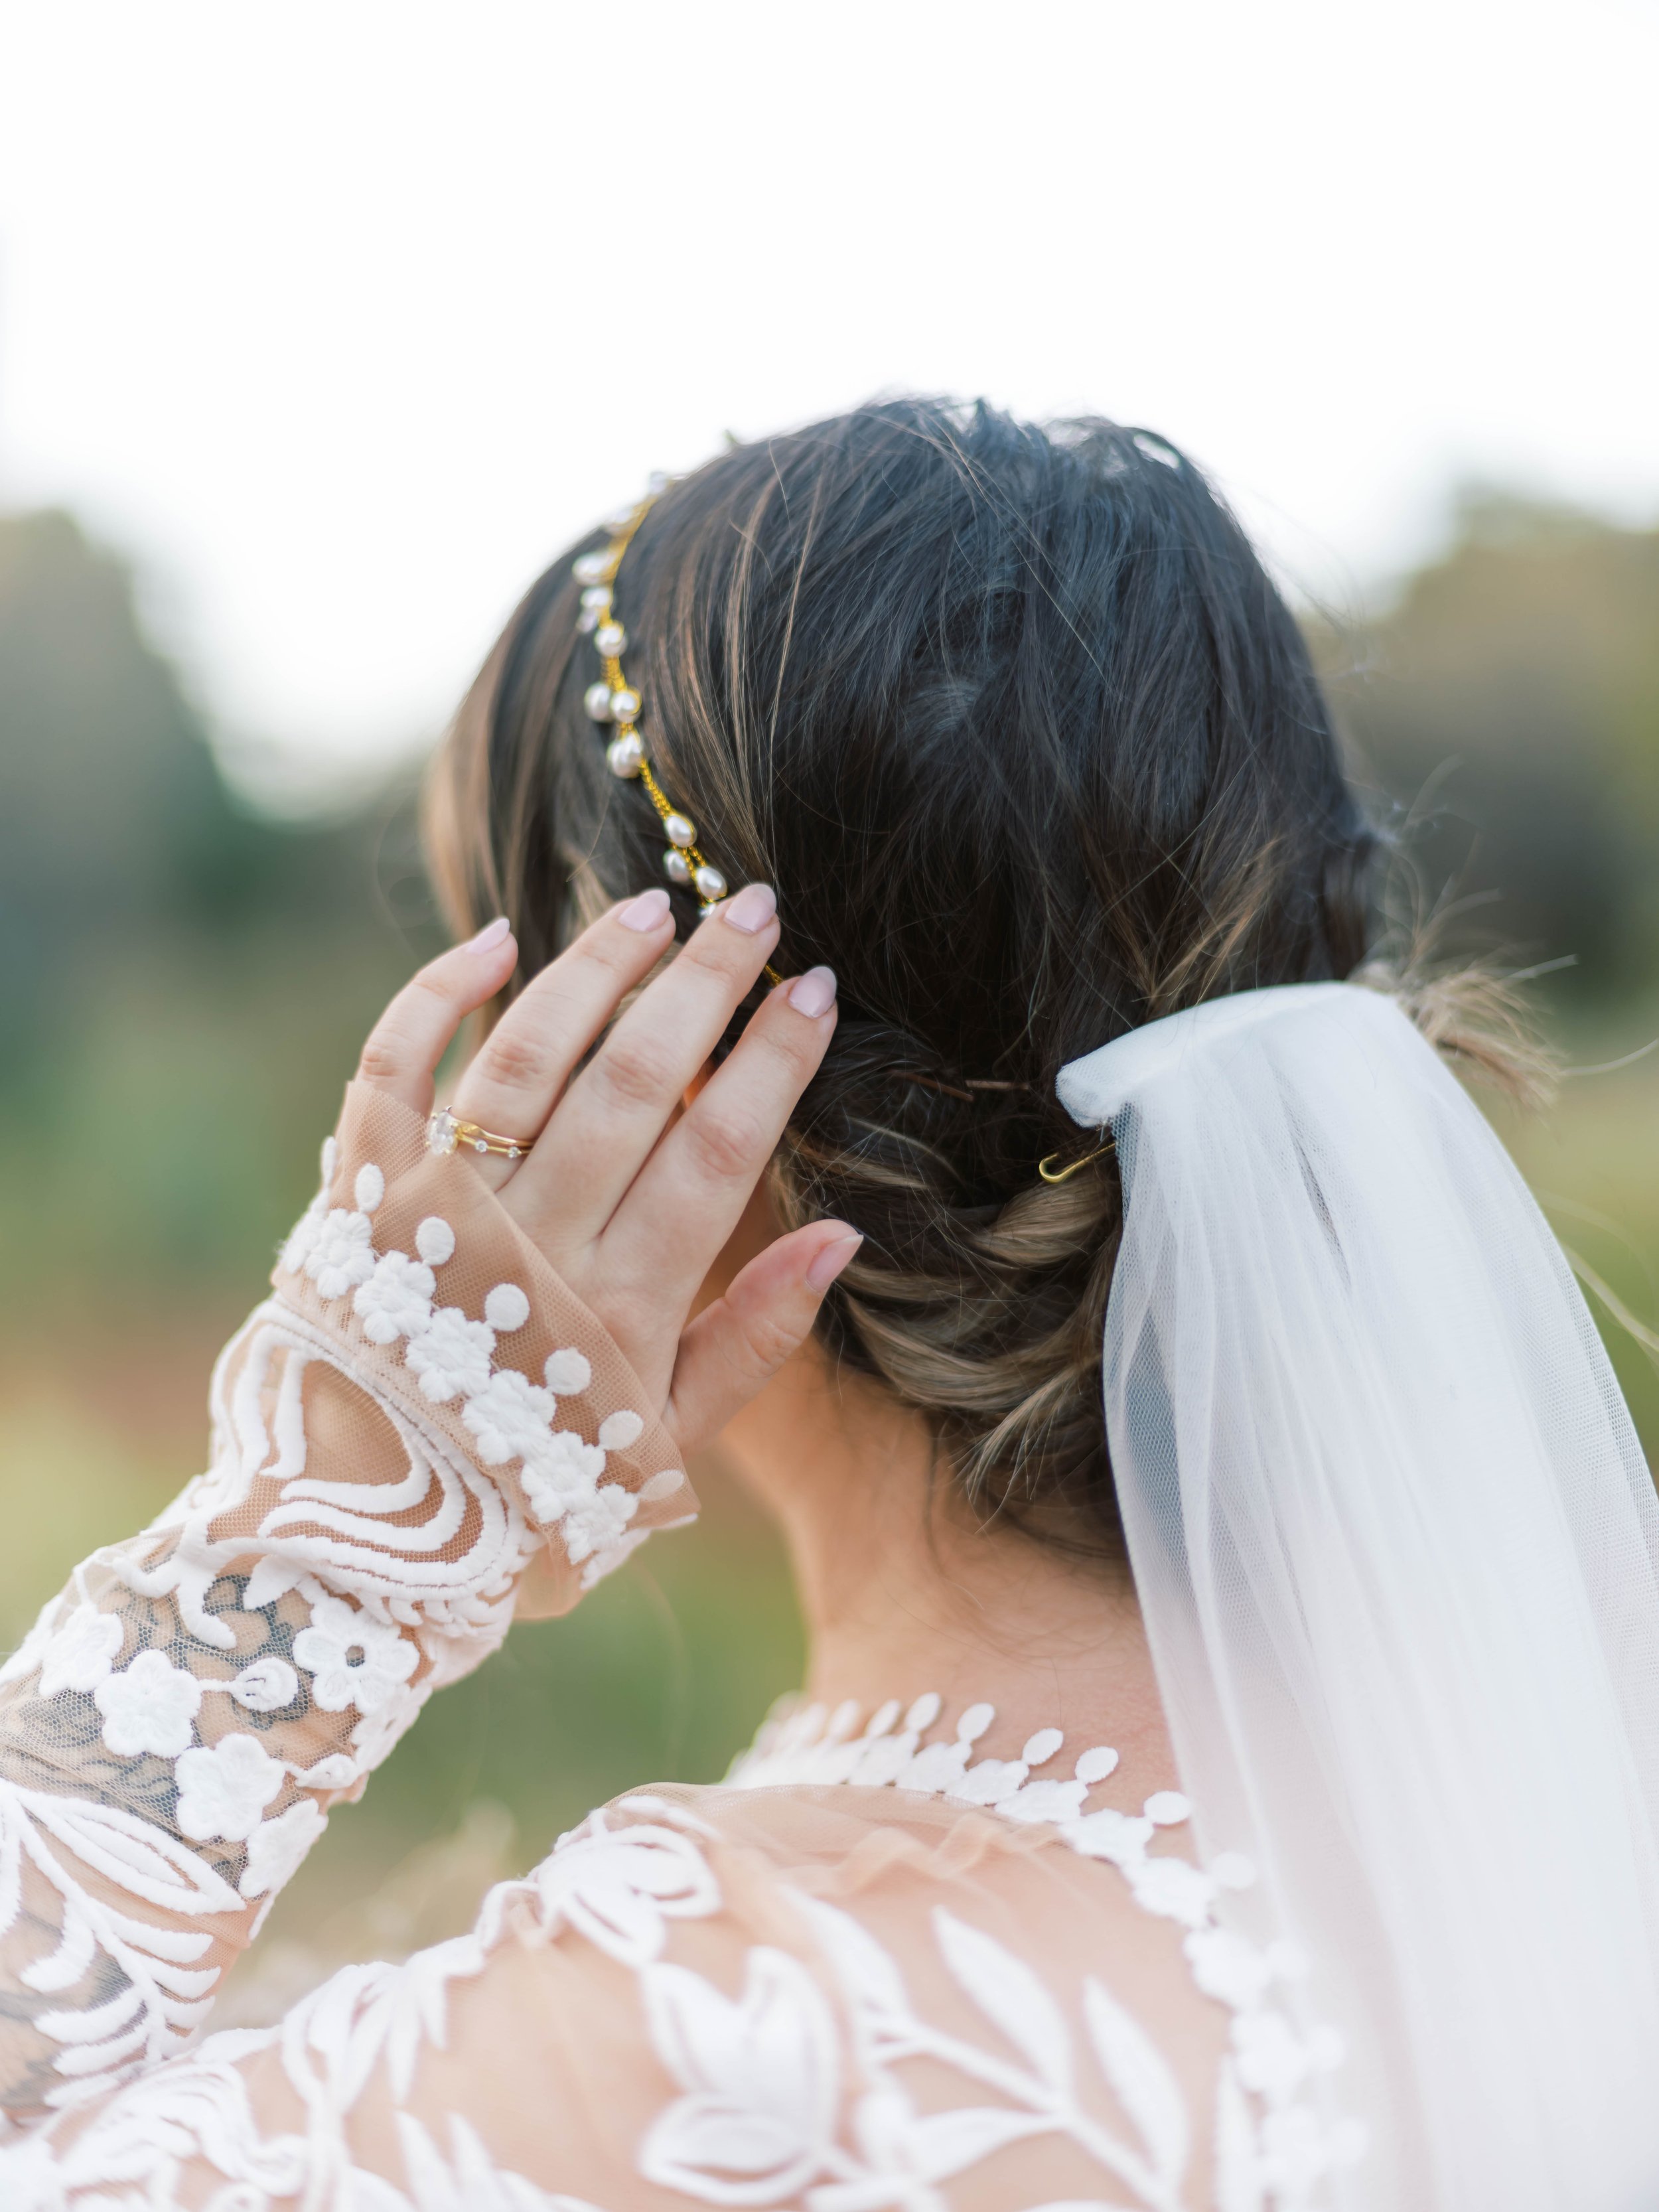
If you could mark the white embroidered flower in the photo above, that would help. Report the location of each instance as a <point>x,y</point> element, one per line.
<point>378,1734</point>
<point>1298,2150</point>
<point>1108,1834</point>
<point>1228,1967</point>
<point>302,1240</point>
<point>276,1847</point>
<point>564,1472</point>
<point>223,1788</point>
<point>341,1253</point>
<point>607,1562</point>
<point>81,1653</point>
<point>337,1771</point>
<point>992,1781</point>
<point>1272,2060</point>
<point>595,1523</point>
<point>396,1300</point>
<point>151,1706</point>
<point>1172,1889</point>
<point>265,1686</point>
<point>936,1767</point>
<point>1046,1801</point>
<point>451,1355</point>
<point>353,1659</point>
<point>510,1416</point>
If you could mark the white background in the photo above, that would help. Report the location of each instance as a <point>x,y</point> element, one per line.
<point>343,315</point>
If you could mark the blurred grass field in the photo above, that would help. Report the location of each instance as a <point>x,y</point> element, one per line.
<point>183,988</point>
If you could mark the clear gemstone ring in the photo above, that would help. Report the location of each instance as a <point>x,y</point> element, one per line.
<point>444,1133</point>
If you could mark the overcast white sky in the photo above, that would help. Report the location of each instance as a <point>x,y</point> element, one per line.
<point>343,315</point>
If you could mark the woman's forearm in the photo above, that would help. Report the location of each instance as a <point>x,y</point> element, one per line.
<point>390,1453</point>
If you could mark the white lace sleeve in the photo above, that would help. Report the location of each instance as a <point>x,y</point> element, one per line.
<point>422,1427</point>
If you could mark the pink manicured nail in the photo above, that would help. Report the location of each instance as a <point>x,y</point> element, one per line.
<point>751,909</point>
<point>645,912</point>
<point>814,993</point>
<point>490,934</point>
<point>828,1263</point>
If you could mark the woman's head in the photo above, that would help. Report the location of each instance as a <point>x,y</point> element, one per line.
<point>1030,748</point>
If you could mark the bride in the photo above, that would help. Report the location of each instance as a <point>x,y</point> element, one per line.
<point>1227,1772</point>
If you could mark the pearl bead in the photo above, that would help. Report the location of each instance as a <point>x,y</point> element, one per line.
<point>657,483</point>
<point>680,830</point>
<point>610,637</point>
<point>624,705</point>
<point>596,605</point>
<point>592,568</point>
<point>710,883</point>
<point>625,754</point>
<point>596,700</point>
<point>676,867</point>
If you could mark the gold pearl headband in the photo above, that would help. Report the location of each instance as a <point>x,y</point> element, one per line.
<point>614,700</point>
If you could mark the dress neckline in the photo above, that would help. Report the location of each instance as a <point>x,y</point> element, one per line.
<point>1279,2048</point>
<point>902,1748</point>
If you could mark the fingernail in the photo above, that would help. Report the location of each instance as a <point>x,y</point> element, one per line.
<point>490,934</point>
<point>645,912</point>
<point>814,993</point>
<point>828,1263</point>
<point>751,909</point>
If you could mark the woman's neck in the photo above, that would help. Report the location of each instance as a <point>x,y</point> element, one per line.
<point>905,1589</point>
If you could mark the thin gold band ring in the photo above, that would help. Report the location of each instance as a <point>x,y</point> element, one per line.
<point>446,1132</point>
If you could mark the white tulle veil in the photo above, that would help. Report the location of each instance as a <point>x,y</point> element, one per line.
<point>1398,1552</point>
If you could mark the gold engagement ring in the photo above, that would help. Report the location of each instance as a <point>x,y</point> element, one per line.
<point>443,1134</point>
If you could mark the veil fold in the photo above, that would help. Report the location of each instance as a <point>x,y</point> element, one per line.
<point>1398,1553</point>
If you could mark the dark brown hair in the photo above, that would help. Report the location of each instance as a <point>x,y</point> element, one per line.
<point>1017,724</point>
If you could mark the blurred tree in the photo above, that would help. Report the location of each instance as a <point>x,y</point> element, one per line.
<point>182,982</point>
<point>1511,696</point>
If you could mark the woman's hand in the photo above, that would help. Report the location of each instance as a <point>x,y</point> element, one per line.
<point>629,1199</point>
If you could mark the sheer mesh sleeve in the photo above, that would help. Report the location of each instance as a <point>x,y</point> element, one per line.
<point>421,1429</point>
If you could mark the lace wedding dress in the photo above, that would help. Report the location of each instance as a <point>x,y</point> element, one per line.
<point>892,1962</point>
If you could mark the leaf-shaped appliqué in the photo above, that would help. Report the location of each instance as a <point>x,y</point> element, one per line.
<point>1141,2081</point>
<point>618,1888</point>
<point>1010,1996</point>
<point>940,2144</point>
<point>763,2078</point>
<point>864,1967</point>
<point>468,2179</point>
<point>143,1859</point>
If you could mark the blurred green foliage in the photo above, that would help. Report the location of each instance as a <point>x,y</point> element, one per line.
<point>1505,707</point>
<point>183,986</point>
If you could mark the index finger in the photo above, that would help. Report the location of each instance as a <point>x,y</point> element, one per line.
<point>403,1050</point>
